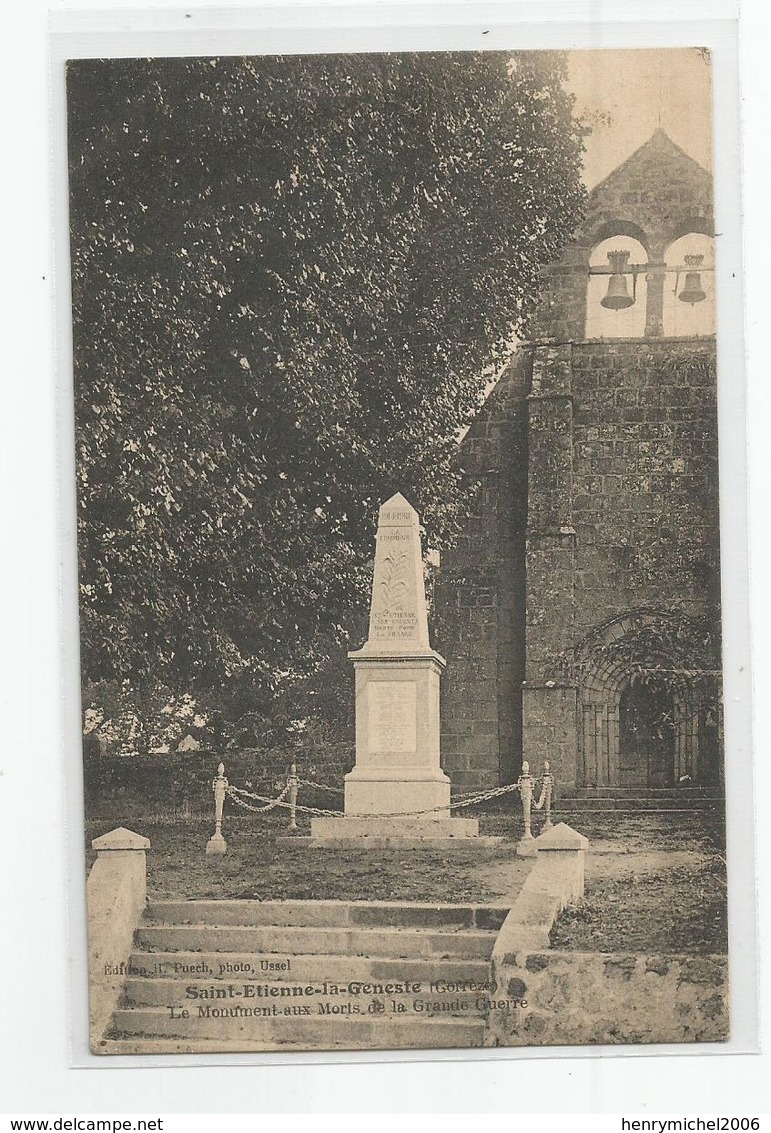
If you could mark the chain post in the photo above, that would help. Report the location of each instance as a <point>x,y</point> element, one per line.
<point>525,784</point>
<point>217,844</point>
<point>293,783</point>
<point>548,786</point>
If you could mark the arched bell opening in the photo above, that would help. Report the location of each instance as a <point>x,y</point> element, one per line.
<point>689,289</point>
<point>616,299</point>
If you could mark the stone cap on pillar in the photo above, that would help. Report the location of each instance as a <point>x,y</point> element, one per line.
<point>120,839</point>
<point>561,837</point>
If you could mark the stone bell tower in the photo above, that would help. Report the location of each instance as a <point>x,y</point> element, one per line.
<point>584,595</point>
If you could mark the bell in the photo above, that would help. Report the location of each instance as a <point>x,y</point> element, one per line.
<point>618,296</point>
<point>692,290</point>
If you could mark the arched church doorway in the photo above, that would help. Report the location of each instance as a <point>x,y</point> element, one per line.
<point>648,707</point>
<point>646,737</point>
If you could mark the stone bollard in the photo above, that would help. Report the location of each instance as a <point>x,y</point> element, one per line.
<point>115,896</point>
<point>217,844</point>
<point>561,867</point>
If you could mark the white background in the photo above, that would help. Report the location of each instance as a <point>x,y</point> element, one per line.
<point>35,1063</point>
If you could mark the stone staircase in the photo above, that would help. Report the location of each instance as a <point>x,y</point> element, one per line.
<point>638,800</point>
<point>209,976</point>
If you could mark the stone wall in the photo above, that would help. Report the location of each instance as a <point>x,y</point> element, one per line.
<point>643,502</point>
<point>659,193</point>
<point>623,517</point>
<point>479,626</point>
<point>589,997</point>
<point>568,997</point>
<point>622,514</point>
<point>645,483</point>
<point>549,716</point>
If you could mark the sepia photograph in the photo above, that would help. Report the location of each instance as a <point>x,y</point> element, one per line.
<point>396,449</point>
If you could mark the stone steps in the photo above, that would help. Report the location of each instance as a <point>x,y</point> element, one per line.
<point>189,966</point>
<point>162,992</point>
<point>326,914</point>
<point>645,806</point>
<point>639,792</point>
<point>295,940</point>
<point>336,1032</point>
<point>631,801</point>
<point>277,975</point>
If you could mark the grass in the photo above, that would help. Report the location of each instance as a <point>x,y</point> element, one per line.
<point>666,894</point>
<point>256,868</point>
<point>675,910</point>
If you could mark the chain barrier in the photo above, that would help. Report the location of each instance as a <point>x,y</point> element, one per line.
<point>286,805</point>
<point>481,797</point>
<point>234,792</point>
<point>470,800</point>
<point>461,800</point>
<point>260,798</point>
<point>321,786</point>
<point>222,789</point>
<point>526,784</point>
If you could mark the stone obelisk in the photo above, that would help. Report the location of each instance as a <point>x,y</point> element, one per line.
<point>398,674</point>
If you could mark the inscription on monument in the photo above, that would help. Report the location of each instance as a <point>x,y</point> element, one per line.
<point>394,624</point>
<point>393,717</point>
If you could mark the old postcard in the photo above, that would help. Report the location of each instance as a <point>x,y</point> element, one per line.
<point>397,471</point>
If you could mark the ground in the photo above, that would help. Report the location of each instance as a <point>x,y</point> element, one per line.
<point>648,904</point>
<point>654,883</point>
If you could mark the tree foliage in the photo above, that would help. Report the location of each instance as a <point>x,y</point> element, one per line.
<point>291,276</point>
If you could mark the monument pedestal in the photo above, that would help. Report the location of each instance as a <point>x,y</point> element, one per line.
<point>397,734</point>
<point>397,770</point>
<point>397,774</point>
<point>383,833</point>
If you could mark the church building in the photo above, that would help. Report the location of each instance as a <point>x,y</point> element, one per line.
<point>580,611</point>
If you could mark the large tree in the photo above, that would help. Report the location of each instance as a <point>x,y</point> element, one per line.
<point>291,277</point>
